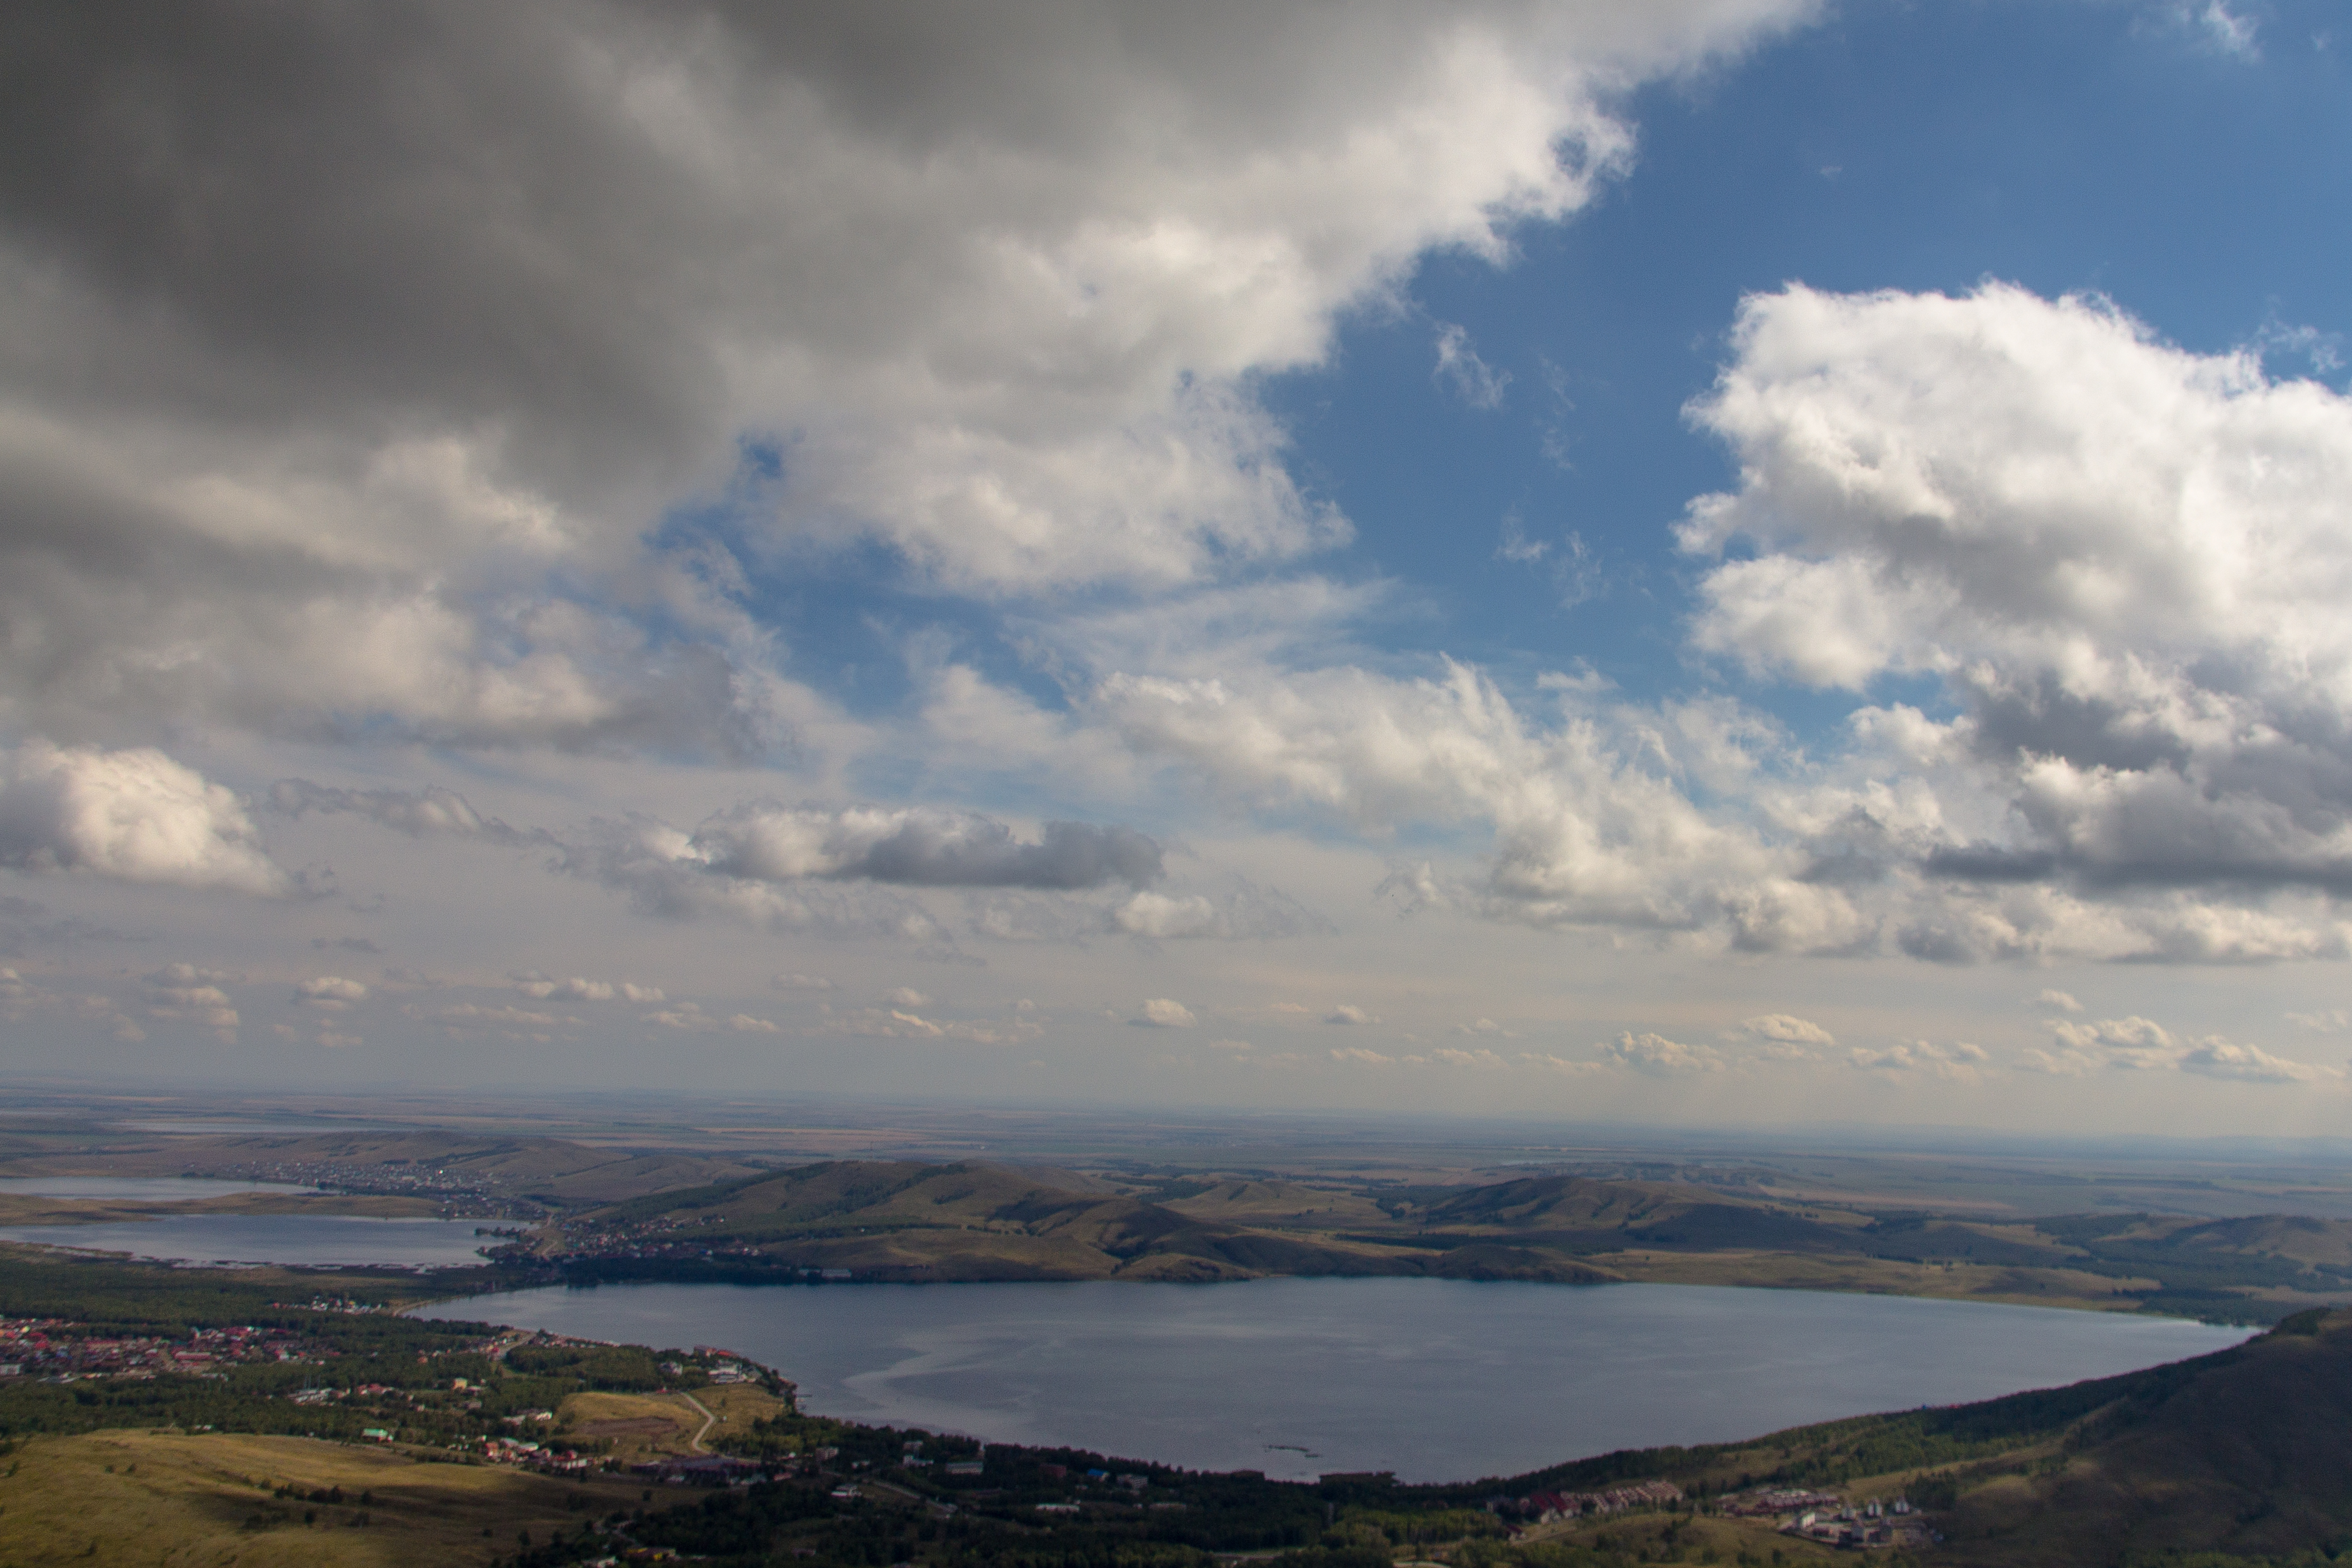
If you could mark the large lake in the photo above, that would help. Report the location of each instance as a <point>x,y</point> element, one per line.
<point>1434,1379</point>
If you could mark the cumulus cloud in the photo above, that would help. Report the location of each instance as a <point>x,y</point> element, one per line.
<point>918,846</point>
<point>1589,828</point>
<point>1162,1013</point>
<point>331,992</point>
<point>691,1017</point>
<point>1360,1056</point>
<point>1247,913</point>
<point>183,992</point>
<point>1347,1013</point>
<point>2136,1045</point>
<point>1702,820</point>
<point>358,432</point>
<point>2063,1001</point>
<point>843,871</point>
<point>1454,1056</point>
<point>759,843</point>
<point>2125,561</point>
<point>531,983</point>
<point>1958,1060</point>
<point>133,815</point>
<point>1790,1031</point>
<point>1658,1057</point>
<point>662,873</point>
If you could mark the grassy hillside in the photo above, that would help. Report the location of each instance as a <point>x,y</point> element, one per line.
<point>904,1221</point>
<point>551,1172</point>
<point>123,1498</point>
<point>894,1220</point>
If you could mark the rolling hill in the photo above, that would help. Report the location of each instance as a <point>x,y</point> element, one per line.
<point>904,1220</point>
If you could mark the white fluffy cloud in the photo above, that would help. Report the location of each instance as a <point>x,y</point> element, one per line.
<point>830,869</point>
<point>1788,1030</point>
<point>916,846</point>
<point>1589,828</point>
<point>133,815</point>
<point>577,989</point>
<point>2126,561</point>
<point>330,991</point>
<point>986,287</point>
<point>1958,1060</point>
<point>2141,1045</point>
<point>1246,912</point>
<point>185,993</point>
<point>691,1018</point>
<point>1658,1057</point>
<point>1160,1012</point>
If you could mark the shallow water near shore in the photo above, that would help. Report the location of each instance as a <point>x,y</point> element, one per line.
<point>143,1190</point>
<point>315,1240</point>
<point>1436,1380</point>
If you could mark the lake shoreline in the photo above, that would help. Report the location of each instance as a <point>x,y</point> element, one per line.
<point>1508,1376</point>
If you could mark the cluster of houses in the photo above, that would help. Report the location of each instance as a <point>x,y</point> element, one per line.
<point>536,1456</point>
<point>1779,1500</point>
<point>1547,1506</point>
<point>1831,1521</point>
<point>703,1469</point>
<point>60,1350</point>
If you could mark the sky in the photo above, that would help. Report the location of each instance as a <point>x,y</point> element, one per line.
<point>1700,563</point>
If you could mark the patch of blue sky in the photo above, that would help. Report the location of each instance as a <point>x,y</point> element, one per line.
<point>2187,161</point>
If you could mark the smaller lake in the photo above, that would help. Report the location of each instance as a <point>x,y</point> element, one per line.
<point>316,1240</point>
<point>141,1189</point>
<point>1434,1379</point>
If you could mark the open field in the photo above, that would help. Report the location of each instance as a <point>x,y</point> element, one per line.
<point>642,1427</point>
<point>164,1500</point>
<point>1884,1277</point>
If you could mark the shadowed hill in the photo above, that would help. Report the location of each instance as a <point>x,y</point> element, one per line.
<point>2247,1453</point>
<point>2230,1461</point>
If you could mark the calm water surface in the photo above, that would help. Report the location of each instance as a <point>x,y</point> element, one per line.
<point>141,1189</point>
<point>340,1239</point>
<point>1434,1379</point>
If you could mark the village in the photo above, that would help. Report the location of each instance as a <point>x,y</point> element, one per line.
<point>1833,1521</point>
<point>58,1349</point>
<point>1825,1517</point>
